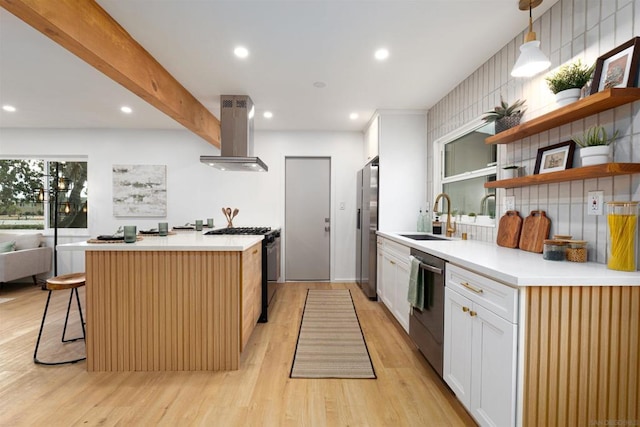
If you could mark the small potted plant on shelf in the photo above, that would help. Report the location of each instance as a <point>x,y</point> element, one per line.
<point>595,146</point>
<point>504,115</point>
<point>568,80</point>
<point>510,171</point>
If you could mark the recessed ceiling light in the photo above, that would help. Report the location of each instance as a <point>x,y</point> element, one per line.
<point>267,114</point>
<point>319,85</point>
<point>126,110</point>
<point>9,108</point>
<point>353,116</point>
<point>241,52</point>
<point>381,54</point>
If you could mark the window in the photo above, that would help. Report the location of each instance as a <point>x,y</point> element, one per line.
<point>28,190</point>
<point>467,163</point>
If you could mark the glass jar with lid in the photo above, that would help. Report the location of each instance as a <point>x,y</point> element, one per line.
<point>576,250</point>
<point>554,250</point>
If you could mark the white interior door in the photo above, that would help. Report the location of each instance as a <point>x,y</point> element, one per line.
<point>307,218</point>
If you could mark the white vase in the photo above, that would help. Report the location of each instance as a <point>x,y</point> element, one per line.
<point>568,96</point>
<point>595,155</point>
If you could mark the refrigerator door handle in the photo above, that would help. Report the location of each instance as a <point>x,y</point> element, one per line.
<point>358,220</point>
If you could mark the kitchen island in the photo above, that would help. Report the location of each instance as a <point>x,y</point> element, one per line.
<point>545,342</point>
<point>184,302</point>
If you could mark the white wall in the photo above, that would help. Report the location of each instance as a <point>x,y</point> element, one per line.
<point>571,29</point>
<point>195,190</point>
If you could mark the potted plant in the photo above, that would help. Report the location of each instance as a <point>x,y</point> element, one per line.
<point>594,145</point>
<point>504,115</point>
<point>568,80</point>
<point>511,171</point>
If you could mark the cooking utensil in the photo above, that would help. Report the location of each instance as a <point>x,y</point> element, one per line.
<point>535,229</point>
<point>227,214</point>
<point>509,229</point>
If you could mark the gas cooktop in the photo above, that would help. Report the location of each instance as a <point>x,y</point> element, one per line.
<point>241,230</point>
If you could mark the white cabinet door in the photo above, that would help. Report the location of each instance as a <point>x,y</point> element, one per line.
<point>401,305</point>
<point>457,345</point>
<point>371,139</point>
<point>389,278</point>
<point>493,369</point>
<point>380,284</point>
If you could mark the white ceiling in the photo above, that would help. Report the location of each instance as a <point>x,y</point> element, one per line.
<point>433,44</point>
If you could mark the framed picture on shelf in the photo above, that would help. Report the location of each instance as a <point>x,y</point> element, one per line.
<point>618,67</point>
<point>554,158</point>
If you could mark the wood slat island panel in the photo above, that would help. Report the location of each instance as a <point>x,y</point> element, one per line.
<point>582,356</point>
<point>164,310</point>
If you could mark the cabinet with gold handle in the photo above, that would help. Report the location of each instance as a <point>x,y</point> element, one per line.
<point>472,288</point>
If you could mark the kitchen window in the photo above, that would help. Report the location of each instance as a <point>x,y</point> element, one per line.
<point>465,164</point>
<point>28,195</point>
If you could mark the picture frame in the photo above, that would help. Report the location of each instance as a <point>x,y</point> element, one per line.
<point>554,158</point>
<point>618,67</point>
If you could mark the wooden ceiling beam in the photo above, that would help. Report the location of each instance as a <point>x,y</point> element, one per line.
<point>89,32</point>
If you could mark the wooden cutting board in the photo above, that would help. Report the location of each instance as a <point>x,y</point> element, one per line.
<point>509,229</point>
<point>535,229</point>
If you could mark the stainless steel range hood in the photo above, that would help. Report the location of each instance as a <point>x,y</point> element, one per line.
<point>236,135</point>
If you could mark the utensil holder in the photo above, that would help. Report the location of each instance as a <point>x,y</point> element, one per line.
<point>622,248</point>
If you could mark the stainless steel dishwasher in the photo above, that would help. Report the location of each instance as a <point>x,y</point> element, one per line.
<point>426,327</point>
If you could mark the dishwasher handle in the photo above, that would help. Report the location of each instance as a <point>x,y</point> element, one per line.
<point>430,268</point>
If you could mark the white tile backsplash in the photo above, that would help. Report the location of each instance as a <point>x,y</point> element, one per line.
<point>571,29</point>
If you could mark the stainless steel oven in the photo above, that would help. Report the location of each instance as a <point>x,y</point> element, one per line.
<point>270,259</point>
<point>426,327</point>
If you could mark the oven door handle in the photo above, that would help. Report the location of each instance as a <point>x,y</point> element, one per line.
<point>430,268</point>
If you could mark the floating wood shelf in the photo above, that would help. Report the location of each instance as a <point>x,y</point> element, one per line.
<point>586,172</point>
<point>582,108</point>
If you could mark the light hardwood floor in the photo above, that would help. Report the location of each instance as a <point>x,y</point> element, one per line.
<point>407,391</point>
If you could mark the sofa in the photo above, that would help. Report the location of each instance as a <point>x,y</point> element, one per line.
<point>23,255</point>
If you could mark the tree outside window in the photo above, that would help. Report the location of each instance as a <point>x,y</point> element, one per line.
<point>27,192</point>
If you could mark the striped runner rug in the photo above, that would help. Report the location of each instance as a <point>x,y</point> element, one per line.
<point>330,341</point>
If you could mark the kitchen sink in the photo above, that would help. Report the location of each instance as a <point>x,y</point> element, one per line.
<point>422,237</point>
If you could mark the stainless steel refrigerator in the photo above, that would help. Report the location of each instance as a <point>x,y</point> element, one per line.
<point>366,227</point>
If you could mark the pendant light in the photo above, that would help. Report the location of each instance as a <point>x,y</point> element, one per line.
<point>531,60</point>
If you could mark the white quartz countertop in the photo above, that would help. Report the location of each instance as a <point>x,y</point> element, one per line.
<point>516,267</point>
<point>182,241</point>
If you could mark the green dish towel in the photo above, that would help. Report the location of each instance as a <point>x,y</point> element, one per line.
<point>415,295</point>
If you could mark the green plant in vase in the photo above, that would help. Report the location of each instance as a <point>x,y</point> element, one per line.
<point>504,115</point>
<point>595,145</point>
<point>595,136</point>
<point>568,80</point>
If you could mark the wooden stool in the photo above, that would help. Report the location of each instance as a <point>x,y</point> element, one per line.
<point>67,281</point>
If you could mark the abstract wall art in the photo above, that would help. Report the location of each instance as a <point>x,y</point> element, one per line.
<point>140,190</point>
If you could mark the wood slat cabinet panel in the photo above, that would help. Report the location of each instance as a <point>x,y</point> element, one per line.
<point>163,310</point>
<point>251,290</point>
<point>582,364</point>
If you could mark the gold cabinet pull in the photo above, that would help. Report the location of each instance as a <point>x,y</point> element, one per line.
<point>471,288</point>
<point>472,313</point>
<point>392,262</point>
<point>465,309</point>
<point>255,251</point>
